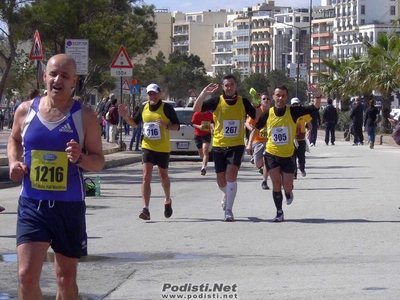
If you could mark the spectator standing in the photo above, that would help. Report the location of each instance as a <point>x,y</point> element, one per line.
<point>136,132</point>
<point>1,120</point>
<point>105,111</point>
<point>315,123</point>
<point>158,119</point>
<point>357,117</point>
<point>330,119</point>
<point>113,120</point>
<point>370,122</point>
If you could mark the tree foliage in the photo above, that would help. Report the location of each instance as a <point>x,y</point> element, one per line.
<point>107,24</point>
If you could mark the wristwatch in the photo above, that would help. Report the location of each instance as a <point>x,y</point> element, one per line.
<point>78,161</point>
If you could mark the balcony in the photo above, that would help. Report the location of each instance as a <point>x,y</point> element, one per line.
<point>221,63</point>
<point>221,50</point>
<point>241,45</point>
<point>185,32</point>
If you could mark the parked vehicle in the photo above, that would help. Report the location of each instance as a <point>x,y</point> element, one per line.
<point>182,141</point>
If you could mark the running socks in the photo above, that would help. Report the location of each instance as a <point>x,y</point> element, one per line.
<point>223,189</point>
<point>277,199</point>
<point>231,190</point>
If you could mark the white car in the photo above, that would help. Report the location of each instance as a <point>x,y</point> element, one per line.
<point>182,141</point>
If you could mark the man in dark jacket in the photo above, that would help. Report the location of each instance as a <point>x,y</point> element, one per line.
<point>330,119</point>
<point>357,116</point>
<point>315,122</point>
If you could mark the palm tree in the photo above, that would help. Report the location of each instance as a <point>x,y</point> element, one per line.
<point>379,70</point>
<point>337,83</point>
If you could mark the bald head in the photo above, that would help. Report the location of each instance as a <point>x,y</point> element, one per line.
<point>61,60</point>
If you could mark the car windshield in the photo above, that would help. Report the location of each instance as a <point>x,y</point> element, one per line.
<point>184,116</point>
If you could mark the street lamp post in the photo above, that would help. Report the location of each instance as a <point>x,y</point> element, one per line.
<point>295,52</point>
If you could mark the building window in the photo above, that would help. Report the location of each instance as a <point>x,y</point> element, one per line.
<point>297,19</point>
<point>393,10</point>
<point>190,18</point>
<point>362,21</point>
<point>363,9</point>
<point>199,18</point>
<point>306,19</point>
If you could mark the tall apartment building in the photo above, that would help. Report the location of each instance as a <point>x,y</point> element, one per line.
<point>241,45</point>
<point>223,47</point>
<point>351,18</point>
<point>262,34</point>
<point>291,38</point>
<point>322,41</point>
<point>193,35</point>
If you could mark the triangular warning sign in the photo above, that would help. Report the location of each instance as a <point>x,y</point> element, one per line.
<point>37,49</point>
<point>125,86</point>
<point>122,60</point>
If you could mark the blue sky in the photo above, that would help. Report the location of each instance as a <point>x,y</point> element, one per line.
<point>202,5</point>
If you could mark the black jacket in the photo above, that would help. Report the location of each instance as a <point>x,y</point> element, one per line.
<point>330,114</point>
<point>357,114</point>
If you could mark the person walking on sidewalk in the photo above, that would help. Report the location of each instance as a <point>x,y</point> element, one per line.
<point>50,132</point>
<point>281,125</point>
<point>300,140</point>
<point>371,120</point>
<point>229,112</point>
<point>259,142</point>
<point>330,119</point>
<point>201,121</point>
<point>158,119</point>
<point>357,116</point>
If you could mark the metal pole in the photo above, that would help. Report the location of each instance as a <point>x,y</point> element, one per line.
<point>120,121</point>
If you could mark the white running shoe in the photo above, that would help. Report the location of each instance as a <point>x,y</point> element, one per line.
<point>229,216</point>
<point>279,216</point>
<point>290,199</point>
<point>223,203</point>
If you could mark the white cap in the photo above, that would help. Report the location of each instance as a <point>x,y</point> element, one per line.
<point>294,101</point>
<point>153,88</point>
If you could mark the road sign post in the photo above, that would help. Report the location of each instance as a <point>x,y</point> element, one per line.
<point>122,66</point>
<point>37,54</point>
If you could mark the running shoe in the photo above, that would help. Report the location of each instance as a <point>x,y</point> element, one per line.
<point>229,216</point>
<point>223,202</point>
<point>144,214</point>
<point>289,198</point>
<point>168,209</point>
<point>203,171</point>
<point>303,173</point>
<point>1,208</point>
<point>252,160</point>
<point>279,216</point>
<point>260,170</point>
<point>264,185</point>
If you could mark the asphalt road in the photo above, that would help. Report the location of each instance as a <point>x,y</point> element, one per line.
<point>340,239</point>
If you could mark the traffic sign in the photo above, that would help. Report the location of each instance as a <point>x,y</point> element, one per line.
<point>125,87</point>
<point>37,49</point>
<point>78,49</point>
<point>122,60</point>
<point>192,94</point>
<point>121,65</point>
<point>135,89</point>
